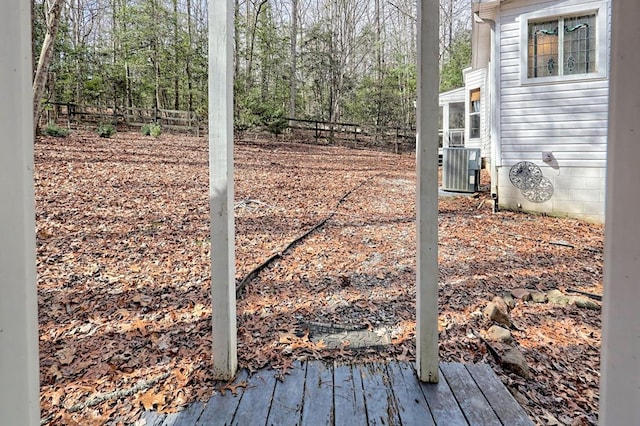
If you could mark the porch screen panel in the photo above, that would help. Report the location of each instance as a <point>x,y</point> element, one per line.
<point>440,126</point>
<point>456,115</point>
<point>456,124</point>
<point>579,45</point>
<point>543,49</point>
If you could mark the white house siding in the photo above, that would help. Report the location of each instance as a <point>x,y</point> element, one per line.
<point>566,118</point>
<point>455,95</point>
<point>477,79</point>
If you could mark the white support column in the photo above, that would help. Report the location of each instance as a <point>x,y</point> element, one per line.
<point>620,364</point>
<point>19,369</point>
<point>223,293</point>
<point>427,193</point>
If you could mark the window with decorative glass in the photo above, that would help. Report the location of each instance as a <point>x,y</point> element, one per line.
<point>562,46</point>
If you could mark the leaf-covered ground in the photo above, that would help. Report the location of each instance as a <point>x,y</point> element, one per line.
<point>123,267</point>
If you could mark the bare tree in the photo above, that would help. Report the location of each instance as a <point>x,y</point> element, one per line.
<point>455,16</point>
<point>294,57</point>
<point>53,13</point>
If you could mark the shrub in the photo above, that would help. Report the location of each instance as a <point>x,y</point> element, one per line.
<point>152,130</point>
<point>56,131</point>
<point>106,130</point>
<point>272,118</point>
<point>155,130</point>
<point>277,123</point>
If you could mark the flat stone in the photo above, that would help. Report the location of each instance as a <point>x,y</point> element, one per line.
<point>494,313</point>
<point>513,360</point>
<point>538,297</point>
<point>584,302</point>
<point>521,293</point>
<point>558,298</point>
<point>355,339</point>
<point>495,333</point>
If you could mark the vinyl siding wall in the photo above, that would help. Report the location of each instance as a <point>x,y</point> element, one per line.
<point>566,118</point>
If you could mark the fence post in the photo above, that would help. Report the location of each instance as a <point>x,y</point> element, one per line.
<point>72,111</point>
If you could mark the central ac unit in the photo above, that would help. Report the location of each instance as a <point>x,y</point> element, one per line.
<point>461,169</point>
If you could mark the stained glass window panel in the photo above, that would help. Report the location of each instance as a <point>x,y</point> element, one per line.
<point>543,49</point>
<point>579,45</point>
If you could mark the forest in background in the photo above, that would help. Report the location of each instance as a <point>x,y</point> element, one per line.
<point>332,60</point>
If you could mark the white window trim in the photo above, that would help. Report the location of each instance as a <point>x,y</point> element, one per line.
<point>601,10</point>
<point>470,112</point>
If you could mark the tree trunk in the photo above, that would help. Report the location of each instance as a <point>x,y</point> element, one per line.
<point>46,54</point>
<point>189,57</point>
<point>176,58</point>
<point>33,47</point>
<point>155,59</point>
<point>128,77</point>
<point>128,87</point>
<point>253,38</point>
<point>294,54</point>
<point>378,44</point>
<point>114,59</point>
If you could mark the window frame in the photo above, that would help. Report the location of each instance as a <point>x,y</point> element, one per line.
<point>475,114</point>
<point>599,8</point>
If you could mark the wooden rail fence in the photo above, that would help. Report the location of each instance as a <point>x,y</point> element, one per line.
<point>358,135</point>
<point>397,139</point>
<point>182,121</point>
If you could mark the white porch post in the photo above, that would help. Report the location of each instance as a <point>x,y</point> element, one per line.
<point>19,369</point>
<point>620,364</point>
<point>427,193</point>
<point>223,293</point>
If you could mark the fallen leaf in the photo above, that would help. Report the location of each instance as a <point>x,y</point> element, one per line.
<point>66,355</point>
<point>151,400</point>
<point>232,387</point>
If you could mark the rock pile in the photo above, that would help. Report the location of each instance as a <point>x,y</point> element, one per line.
<point>498,337</point>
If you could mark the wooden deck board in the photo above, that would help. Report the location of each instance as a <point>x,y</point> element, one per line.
<point>442,403</point>
<point>361,405</point>
<point>475,407</point>
<point>256,399</point>
<point>221,408</point>
<point>316,393</point>
<point>286,407</point>
<point>152,418</point>
<point>412,406</point>
<point>347,398</point>
<point>187,416</point>
<point>505,406</point>
<point>379,402</point>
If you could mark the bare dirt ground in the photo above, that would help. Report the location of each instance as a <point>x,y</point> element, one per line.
<point>123,273</point>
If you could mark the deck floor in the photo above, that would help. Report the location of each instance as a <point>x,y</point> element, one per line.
<point>316,393</point>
